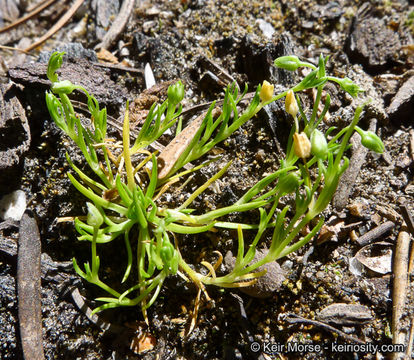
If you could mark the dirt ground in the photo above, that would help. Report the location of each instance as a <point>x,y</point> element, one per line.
<point>206,44</point>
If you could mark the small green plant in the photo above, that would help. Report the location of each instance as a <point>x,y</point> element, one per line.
<point>124,193</point>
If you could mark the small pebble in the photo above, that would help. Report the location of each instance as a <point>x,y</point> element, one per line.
<point>13,205</point>
<point>267,28</point>
<point>267,284</point>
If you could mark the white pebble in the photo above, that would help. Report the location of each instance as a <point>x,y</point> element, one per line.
<point>267,28</point>
<point>13,205</point>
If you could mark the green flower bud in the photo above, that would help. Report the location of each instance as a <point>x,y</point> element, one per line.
<point>290,62</point>
<point>174,263</point>
<point>175,92</point>
<point>94,217</point>
<point>55,62</point>
<point>372,141</point>
<point>288,183</point>
<point>319,146</point>
<point>56,111</point>
<point>349,86</point>
<point>167,253</point>
<point>321,66</point>
<point>63,87</point>
<point>310,81</point>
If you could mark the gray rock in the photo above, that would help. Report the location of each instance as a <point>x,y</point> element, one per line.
<point>13,205</point>
<point>73,52</point>
<point>9,10</point>
<point>331,11</point>
<point>266,28</point>
<point>256,58</point>
<point>401,108</point>
<point>372,44</point>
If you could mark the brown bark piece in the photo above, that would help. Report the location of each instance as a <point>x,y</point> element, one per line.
<point>83,73</point>
<point>14,136</point>
<point>29,289</point>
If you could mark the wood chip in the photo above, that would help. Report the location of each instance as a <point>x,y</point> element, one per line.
<point>330,231</point>
<point>389,213</point>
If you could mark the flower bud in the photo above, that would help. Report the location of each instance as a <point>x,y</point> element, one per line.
<point>290,63</point>
<point>63,87</point>
<point>55,62</point>
<point>372,141</point>
<point>319,146</point>
<point>167,253</point>
<point>176,92</point>
<point>291,106</point>
<point>56,111</point>
<point>310,81</point>
<point>94,217</point>
<point>266,92</point>
<point>288,183</point>
<point>301,145</point>
<point>349,86</point>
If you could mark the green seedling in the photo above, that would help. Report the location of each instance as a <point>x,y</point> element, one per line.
<point>124,192</point>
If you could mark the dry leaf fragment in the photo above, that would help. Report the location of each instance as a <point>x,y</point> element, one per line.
<point>142,343</point>
<point>106,56</point>
<point>376,257</point>
<point>173,151</point>
<point>330,232</point>
<point>345,314</point>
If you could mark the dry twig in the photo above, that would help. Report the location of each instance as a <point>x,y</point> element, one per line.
<point>400,284</point>
<point>412,144</point>
<point>296,319</point>
<point>375,233</point>
<point>221,72</point>
<point>31,14</point>
<point>118,25</point>
<point>61,22</point>
<point>409,350</point>
<point>408,218</point>
<point>96,319</point>
<point>119,68</point>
